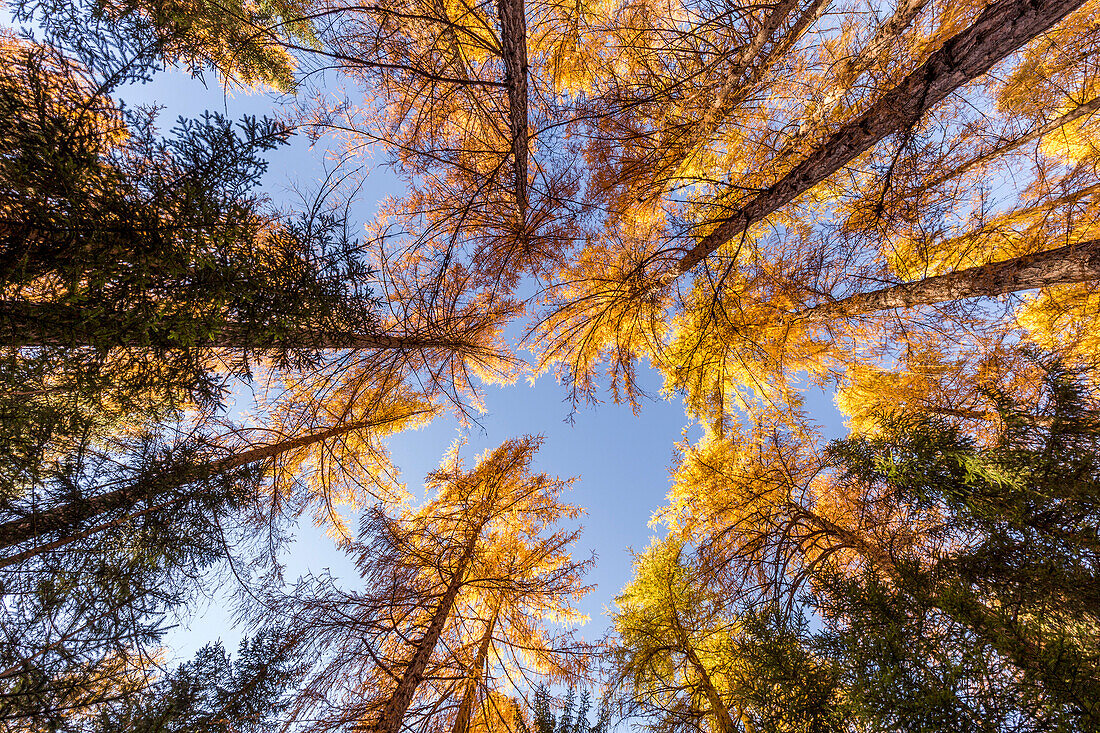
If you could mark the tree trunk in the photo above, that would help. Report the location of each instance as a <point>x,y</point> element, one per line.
<point>1073,264</point>
<point>1073,115</point>
<point>722,716</point>
<point>66,516</point>
<point>869,549</point>
<point>466,706</point>
<point>393,714</point>
<point>1001,28</point>
<point>513,48</point>
<point>27,324</point>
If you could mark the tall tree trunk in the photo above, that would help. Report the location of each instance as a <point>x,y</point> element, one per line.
<point>1081,110</point>
<point>469,692</point>
<point>28,324</point>
<point>67,516</point>
<point>722,716</point>
<point>1001,28</point>
<point>513,47</point>
<point>393,714</point>
<point>1072,264</point>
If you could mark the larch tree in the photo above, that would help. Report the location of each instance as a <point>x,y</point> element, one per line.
<point>673,654</point>
<point>793,202</point>
<point>452,591</point>
<point>687,655</point>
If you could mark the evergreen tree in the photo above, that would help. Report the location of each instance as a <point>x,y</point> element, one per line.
<point>573,717</point>
<point>215,692</point>
<point>1013,558</point>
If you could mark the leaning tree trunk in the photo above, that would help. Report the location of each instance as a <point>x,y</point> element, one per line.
<point>69,516</point>
<point>513,47</point>
<point>1065,265</point>
<point>393,714</point>
<point>466,706</point>
<point>1001,28</point>
<point>723,719</point>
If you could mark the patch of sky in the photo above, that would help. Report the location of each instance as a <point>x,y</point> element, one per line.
<point>622,459</point>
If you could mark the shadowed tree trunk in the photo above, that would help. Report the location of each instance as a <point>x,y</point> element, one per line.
<point>67,516</point>
<point>1000,29</point>
<point>392,715</point>
<point>26,324</point>
<point>466,707</point>
<point>513,46</point>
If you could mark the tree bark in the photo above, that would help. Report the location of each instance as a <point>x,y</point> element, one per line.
<point>393,714</point>
<point>513,47</point>
<point>26,324</point>
<point>1001,28</point>
<point>466,706</point>
<point>1082,110</point>
<point>1072,264</point>
<point>68,516</point>
<point>722,716</point>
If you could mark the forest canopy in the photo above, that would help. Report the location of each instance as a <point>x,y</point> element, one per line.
<point>896,205</point>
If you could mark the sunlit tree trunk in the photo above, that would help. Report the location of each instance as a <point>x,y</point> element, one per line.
<point>722,716</point>
<point>1000,29</point>
<point>1065,265</point>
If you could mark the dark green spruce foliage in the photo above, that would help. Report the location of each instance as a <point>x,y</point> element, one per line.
<point>77,616</point>
<point>139,273</point>
<point>786,680</point>
<point>213,693</point>
<point>1000,628</point>
<point>572,719</point>
<point>245,43</point>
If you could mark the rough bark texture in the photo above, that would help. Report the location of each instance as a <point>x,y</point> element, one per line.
<point>513,46</point>
<point>1001,29</point>
<point>389,721</point>
<point>65,516</point>
<point>466,707</point>
<point>1072,264</point>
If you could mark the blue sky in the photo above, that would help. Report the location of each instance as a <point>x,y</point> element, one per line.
<point>622,460</point>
